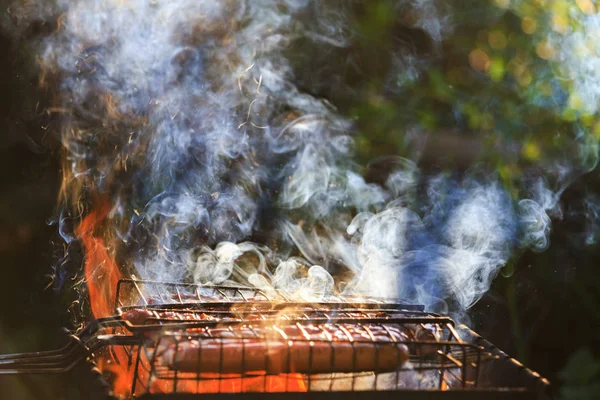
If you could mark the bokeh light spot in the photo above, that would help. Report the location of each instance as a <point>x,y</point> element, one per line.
<point>479,60</point>
<point>531,151</point>
<point>497,40</point>
<point>543,50</point>
<point>586,6</point>
<point>528,25</point>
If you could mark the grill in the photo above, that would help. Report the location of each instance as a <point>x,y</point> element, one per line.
<point>178,340</point>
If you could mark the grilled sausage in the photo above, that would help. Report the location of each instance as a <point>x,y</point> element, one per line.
<point>141,316</point>
<point>306,349</point>
<point>302,358</point>
<point>424,333</point>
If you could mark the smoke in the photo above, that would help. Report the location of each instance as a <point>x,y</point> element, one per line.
<point>576,54</point>
<point>434,17</point>
<point>186,114</point>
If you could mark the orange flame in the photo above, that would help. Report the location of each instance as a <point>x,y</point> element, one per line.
<point>102,276</point>
<point>101,271</point>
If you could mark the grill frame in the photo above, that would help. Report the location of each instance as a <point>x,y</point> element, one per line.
<point>101,339</point>
<point>189,298</point>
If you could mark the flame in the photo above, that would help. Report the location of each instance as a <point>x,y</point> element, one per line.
<point>102,275</point>
<point>216,383</point>
<point>101,271</point>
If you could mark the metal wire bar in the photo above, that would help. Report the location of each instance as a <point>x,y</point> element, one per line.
<point>326,307</point>
<point>66,361</point>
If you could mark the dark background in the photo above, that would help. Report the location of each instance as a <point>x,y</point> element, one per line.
<point>544,312</point>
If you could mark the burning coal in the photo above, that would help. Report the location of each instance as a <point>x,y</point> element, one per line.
<point>186,118</point>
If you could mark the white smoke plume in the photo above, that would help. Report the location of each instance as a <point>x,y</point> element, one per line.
<point>186,114</point>
<point>576,54</point>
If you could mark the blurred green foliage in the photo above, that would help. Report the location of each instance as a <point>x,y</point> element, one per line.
<point>581,376</point>
<point>497,74</point>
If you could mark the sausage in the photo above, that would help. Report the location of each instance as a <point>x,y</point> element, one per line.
<point>140,316</point>
<point>406,332</point>
<point>202,298</point>
<point>137,316</point>
<point>235,356</point>
<point>291,349</point>
<point>424,333</point>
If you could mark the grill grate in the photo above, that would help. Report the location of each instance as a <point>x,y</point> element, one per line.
<point>210,320</point>
<point>183,338</point>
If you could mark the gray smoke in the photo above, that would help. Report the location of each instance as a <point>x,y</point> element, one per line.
<point>186,113</point>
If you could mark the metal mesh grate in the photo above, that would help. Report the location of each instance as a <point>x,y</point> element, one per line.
<point>184,338</point>
<point>204,339</point>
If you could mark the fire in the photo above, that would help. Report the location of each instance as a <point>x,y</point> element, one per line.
<point>102,275</point>
<point>101,271</point>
